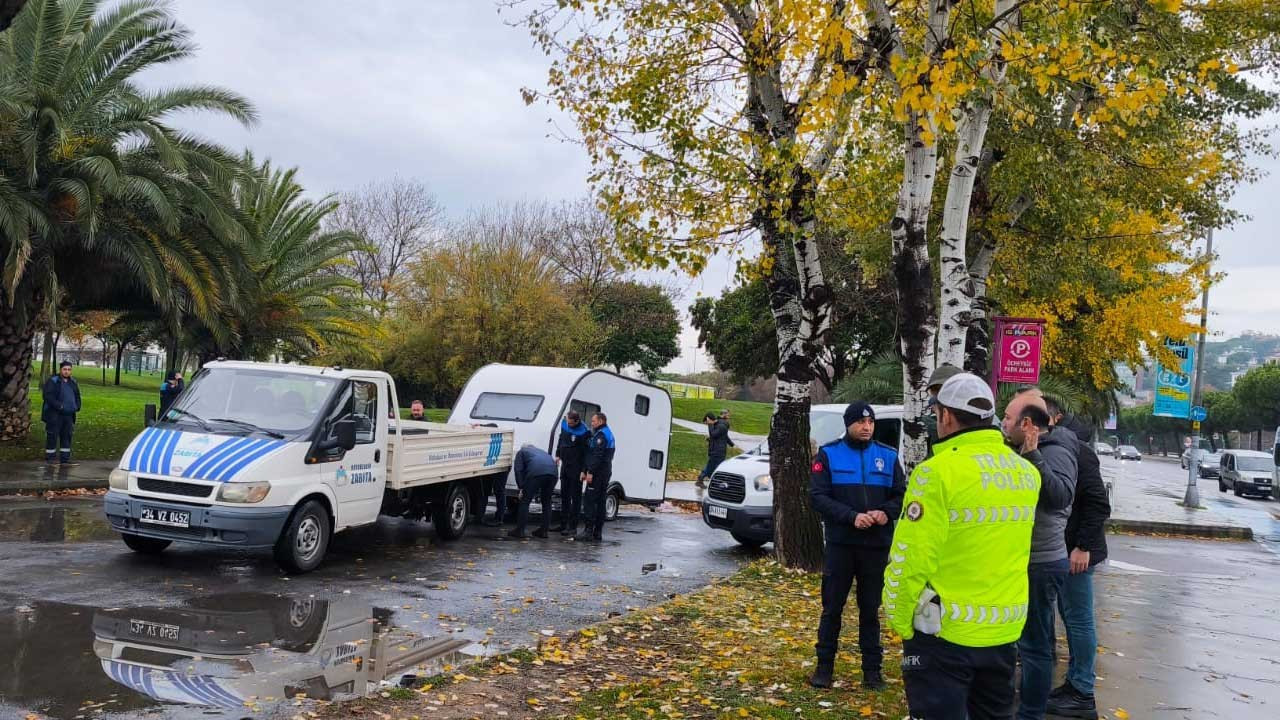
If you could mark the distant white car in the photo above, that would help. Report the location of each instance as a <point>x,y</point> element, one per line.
<point>1102,448</point>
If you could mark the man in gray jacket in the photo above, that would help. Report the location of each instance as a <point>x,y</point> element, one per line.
<point>1053,451</point>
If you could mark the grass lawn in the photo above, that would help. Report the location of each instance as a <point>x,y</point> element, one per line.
<point>111,416</point>
<point>109,419</point>
<point>751,418</point>
<point>740,648</point>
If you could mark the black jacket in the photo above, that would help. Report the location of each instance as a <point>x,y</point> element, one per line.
<point>874,486</point>
<point>571,448</point>
<point>168,394</point>
<point>600,449</point>
<point>1086,528</point>
<point>718,439</point>
<point>51,393</point>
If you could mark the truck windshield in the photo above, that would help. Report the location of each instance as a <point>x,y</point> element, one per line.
<point>277,402</point>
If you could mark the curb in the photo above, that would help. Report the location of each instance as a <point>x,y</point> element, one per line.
<point>686,504</point>
<point>43,487</point>
<point>1151,527</point>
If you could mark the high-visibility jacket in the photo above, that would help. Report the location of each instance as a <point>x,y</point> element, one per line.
<point>965,532</point>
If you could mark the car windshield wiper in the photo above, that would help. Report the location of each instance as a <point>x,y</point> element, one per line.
<point>251,426</point>
<point>203,425</point>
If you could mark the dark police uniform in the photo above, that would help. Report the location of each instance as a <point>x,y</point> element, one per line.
<point>572,451</point>
<point>535,472</point>
<point>850,477</point>
<point>600,465</point>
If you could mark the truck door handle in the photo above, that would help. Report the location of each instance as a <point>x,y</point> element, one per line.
<point>377,455</point>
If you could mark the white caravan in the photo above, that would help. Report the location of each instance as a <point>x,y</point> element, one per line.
<point>739,497</point>
<point>531,401</point>
<point>261,455</point>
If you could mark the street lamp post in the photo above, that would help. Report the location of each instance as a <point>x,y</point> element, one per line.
<point>1192,498</point>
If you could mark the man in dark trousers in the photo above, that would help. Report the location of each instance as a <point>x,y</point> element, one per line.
<point>856,485</point>
<point>169,390</point>
<point>535,472</point>
<point>571,454</point>
<point>61,402</point>
<point>1087,544</point>
<point>717,446</point>
<point>599,470</point>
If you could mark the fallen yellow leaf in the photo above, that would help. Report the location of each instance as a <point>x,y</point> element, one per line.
<point>1121,714</point>
<point>865,711</point>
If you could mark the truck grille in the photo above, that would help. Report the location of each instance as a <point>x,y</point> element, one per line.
<point>727,487</point>
<point>169,487</point>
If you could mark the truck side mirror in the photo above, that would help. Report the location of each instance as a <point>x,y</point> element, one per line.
<point>344,432</point>
<point>149,415</point>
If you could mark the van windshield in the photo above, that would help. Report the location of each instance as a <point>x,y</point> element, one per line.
<point>270,401</point>
<point>1252,463</point>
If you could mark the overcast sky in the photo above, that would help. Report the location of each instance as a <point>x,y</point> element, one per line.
<point>431,90</point>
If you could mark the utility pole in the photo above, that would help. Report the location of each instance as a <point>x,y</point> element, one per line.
<point>1192,498</point>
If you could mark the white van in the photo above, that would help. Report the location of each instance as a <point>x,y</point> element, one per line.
<point>530,401</point>
<point>739,497</point>
<point>261,455</point>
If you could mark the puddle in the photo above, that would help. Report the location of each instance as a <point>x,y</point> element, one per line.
<point>32,522</point>
<point>224,656</point>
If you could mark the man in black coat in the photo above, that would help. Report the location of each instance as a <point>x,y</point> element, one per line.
<point>717,446</point>
<point>170,390</point>
<point>571,455</point>
<point>61,402</point>
<point>1087,544</point>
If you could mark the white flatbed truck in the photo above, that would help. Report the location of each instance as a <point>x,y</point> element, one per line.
<point>262,455</point>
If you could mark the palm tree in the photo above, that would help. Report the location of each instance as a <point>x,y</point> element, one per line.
<point>98,191</point>
<point>294,303</point>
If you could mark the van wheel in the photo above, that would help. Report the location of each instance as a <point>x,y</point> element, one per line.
<point>1222,487</point>
<point>612,502</point>
<point>747,542</point>
<point>450,517</point>
<point>305,539</point>
<point>145,545</point>
<point>1235,488</point>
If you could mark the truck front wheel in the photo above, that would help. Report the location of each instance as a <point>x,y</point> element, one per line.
<point>451,516</point>
<point>305,539</point>
<point>145,545</point>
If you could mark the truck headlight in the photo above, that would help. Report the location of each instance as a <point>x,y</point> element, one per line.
<point>764,483</point>
<point>118,479</point>
<point>248,492</point>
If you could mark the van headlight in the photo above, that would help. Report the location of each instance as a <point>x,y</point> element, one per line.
<point>764,483</point>
<point>248,492</point>
<point>118,479</point>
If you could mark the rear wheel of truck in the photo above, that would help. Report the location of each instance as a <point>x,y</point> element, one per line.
<point>305,538</point>
<point>145,545</point>
<point>451,516</point>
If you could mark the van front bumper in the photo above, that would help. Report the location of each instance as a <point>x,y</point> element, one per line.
<point>752,523</point>
<point>247,527</point>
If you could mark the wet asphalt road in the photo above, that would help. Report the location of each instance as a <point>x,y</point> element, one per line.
<point>84,621</point>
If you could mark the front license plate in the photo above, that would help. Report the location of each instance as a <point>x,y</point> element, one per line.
<point>162,516</point>
<point>148,629</point>
<point>717,512</point>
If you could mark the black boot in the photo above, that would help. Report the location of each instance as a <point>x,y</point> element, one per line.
<point>569,530</point>
<point>873,680</point>
<point>1073,704</point>
<point>518,534</point>
<point>821,677</point>
<point>540,533</point>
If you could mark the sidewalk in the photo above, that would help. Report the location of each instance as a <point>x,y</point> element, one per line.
<point>33,478</point>
<point>1146,505</point>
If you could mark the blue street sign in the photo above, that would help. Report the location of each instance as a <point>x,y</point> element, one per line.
<point>1198,413</point>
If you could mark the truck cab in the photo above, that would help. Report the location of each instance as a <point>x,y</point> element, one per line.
<point>262,455</point>
<point>739,496</point>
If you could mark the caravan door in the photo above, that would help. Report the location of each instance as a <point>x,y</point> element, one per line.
<point>640,417</point>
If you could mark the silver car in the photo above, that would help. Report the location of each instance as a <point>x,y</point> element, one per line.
<point>1210,460</point>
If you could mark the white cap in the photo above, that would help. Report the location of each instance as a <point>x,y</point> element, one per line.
<point>969,393</point>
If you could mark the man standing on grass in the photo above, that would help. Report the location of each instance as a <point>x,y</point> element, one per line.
<point>856,485</point>
<point>61,396</point>
<point>717,446</point>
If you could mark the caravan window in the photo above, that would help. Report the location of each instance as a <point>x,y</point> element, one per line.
<point>506,406</point>
<point>642,405</point>
<point>584,409</point>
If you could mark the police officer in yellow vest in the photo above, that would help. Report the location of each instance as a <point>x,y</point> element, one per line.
<point>956,585</point>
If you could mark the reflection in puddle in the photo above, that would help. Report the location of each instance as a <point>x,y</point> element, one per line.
<point>46,523</point>
<point>223,653</point>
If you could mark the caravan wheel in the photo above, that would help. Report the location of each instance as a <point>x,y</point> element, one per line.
<point>612,502</point>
